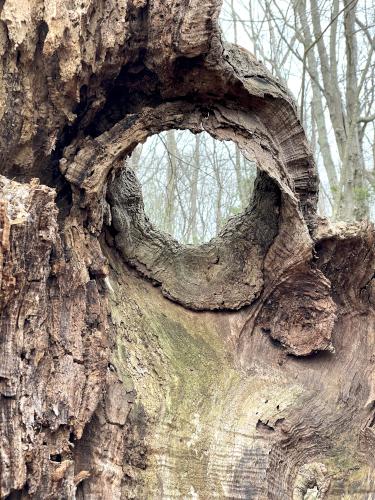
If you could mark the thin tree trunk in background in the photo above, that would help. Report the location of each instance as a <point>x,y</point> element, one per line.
<point>317,103</point>
<point>170,202</point>
<point>240,182</point>
<point>324,146</point>
<point>193,236</point>
<point>181,226</point>
<point>219,189</point>
<point>354,200</point>
<point>332,91</point>
<point>203,220</point>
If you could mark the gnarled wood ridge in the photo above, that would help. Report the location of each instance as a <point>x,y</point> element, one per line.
<point>132,366</point>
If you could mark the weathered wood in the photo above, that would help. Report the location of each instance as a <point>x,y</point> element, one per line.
<point>132,366</point>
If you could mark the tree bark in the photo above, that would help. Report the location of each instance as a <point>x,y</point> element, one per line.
<point>135,367</point>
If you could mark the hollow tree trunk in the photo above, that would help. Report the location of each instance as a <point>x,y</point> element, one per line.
<point>132,366</point>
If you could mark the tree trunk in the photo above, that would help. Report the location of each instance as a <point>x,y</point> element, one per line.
<point>170,201</point>
<point>135,367</point>
<point>354,197</point>
<point>219,187</point>
<point>193,216</point>
<point>318,107</point>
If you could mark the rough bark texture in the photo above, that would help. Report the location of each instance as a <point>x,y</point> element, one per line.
<point>132,366</point>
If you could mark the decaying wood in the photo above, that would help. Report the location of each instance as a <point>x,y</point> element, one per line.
<point>132,366</point>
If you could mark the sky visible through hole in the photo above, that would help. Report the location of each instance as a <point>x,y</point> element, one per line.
<point>192,183</point>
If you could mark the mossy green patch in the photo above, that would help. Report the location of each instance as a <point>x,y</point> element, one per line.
<point>202,411</point>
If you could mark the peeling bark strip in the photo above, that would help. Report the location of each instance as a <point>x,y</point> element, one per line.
<point>213,388</point>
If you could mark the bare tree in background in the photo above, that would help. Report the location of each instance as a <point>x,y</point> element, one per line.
<point>193,229</point>
<point>325,54</point>
<point>171,181</point>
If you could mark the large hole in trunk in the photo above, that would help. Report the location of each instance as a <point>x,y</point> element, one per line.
<point>192,184</point>
<point>227,271</point>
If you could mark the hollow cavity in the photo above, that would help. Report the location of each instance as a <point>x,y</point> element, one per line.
<point>192,184</point>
